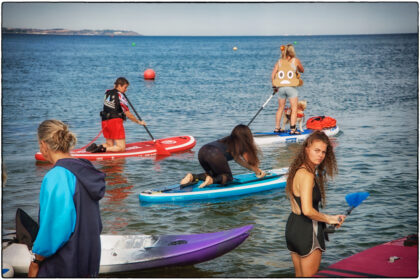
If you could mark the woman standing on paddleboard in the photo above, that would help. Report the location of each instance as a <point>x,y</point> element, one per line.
<point>115,111</point>
<point>214,157</point>
<point>284,78</point>
<point>306,189</point>
<point>68,241</point>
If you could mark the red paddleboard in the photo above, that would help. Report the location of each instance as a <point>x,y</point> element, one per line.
<point>145,148</point>
<point>392,259</point>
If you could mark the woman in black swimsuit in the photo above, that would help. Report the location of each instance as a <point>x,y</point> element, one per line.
<point>305,189</point>
<point>214,157</point>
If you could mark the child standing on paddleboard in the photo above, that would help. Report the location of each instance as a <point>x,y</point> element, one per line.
<point>305,188</point>
<point>115,111</point>
<point>214,157</point>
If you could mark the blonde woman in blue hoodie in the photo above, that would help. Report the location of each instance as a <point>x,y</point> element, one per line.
<point>68,241</point>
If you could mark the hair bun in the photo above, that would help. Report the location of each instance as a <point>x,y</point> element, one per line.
<point>57,135</point>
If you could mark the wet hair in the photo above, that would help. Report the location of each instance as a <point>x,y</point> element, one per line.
<point>56,135</point>
<point>327,167</point>
<point>121,81</point>
<point>241,141</point>
<point>288,50</point>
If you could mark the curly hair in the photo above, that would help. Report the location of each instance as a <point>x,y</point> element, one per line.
<point>327,167</point>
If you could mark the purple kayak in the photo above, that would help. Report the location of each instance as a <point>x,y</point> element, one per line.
<point>122,253</point>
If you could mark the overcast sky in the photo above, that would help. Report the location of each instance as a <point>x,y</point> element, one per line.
<point>178,19</point>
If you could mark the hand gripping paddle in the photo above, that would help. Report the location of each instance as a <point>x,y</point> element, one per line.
<point>353,200</point>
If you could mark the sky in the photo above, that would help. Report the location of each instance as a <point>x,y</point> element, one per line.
<point>217,19</point>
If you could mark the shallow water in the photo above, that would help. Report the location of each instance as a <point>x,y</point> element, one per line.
<point>204,88</point>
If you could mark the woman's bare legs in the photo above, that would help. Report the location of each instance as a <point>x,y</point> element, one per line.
<point>307,266</point>
<point>279,113</point>
<point>293,106</point>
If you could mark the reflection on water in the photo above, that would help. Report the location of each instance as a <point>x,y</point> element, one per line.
<point>372,154</point>
<point>113,205</point>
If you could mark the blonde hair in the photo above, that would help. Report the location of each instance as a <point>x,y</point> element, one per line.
<point>288,50</point>
<point>302,104</point>
<point>56,135</point>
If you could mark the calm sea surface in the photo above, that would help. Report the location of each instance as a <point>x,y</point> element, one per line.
<point>204,88</point>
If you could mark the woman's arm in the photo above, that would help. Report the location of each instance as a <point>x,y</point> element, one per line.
<point>305,183</point>
<point>244,163</point>
<point>273,73</point>
<point>57,214</point>
<point>299,65</point>
<point>34,266</point>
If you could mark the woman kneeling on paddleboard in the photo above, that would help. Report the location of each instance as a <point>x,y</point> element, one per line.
<point>306,189</point>
<point>214,157</point>
<point>68,241</point>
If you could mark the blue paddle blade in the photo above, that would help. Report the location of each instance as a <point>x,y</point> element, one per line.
<point>354,199</point>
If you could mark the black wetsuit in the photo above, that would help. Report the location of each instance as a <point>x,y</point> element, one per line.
<point>214,158</point>
<point>300,230</point>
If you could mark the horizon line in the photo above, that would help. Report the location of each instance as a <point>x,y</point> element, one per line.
<point>282,35</point>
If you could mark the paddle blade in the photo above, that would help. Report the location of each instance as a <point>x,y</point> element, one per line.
<point>160,150</point>
<point>354,199</point>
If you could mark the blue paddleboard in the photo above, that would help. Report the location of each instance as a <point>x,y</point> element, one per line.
<point>242,184</point>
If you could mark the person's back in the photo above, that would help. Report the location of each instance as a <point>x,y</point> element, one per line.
<point>80,255</point>
<point>68,240</point>
<point>285,79</point>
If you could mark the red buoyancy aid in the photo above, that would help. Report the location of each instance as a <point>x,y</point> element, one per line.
<point>320,122</point>
<point>299,115</point>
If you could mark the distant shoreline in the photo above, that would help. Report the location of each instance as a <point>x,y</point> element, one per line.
<point>112,33</point>
<point>61,31</point>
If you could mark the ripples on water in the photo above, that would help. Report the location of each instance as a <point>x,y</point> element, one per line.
<point>203,88</point>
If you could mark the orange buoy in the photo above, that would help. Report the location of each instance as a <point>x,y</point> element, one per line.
<point>149,74</point>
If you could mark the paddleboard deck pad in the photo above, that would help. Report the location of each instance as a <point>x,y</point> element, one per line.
<point>241,184</point>
<point>397,259</point>
<point>121,253</point>
<point>145,148</point>
<point>263,138</point>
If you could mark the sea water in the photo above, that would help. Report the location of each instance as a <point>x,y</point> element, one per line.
<point>204,88</point>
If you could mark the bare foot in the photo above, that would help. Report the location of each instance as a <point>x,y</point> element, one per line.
<point>208,181</point>
<point>261,174</point>
<point>187,179</point>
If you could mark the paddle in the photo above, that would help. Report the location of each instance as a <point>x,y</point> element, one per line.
<point>353,200</point>
<point>160,150</point>
<point>262,107</point>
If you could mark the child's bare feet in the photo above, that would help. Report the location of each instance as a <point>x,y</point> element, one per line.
<point>187,179</point>
<point>208,181</point>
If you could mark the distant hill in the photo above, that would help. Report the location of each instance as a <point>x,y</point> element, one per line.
<point>60,31</point>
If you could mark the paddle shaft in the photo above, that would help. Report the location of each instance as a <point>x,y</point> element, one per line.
<point>262,107</point>
<point>138,116</point>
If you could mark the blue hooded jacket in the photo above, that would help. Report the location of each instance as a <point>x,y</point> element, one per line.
<point>80,256</point>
